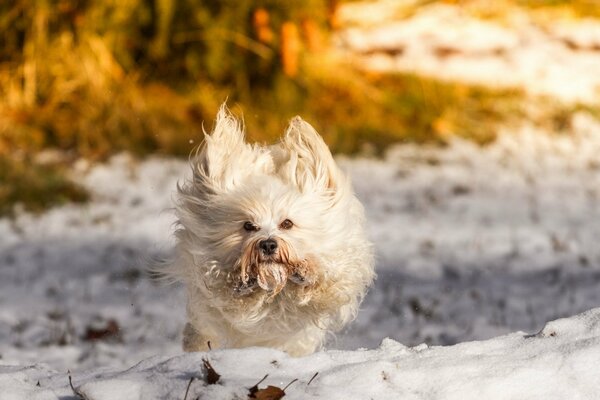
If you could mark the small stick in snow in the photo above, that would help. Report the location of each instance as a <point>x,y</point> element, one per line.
<point>313,377</point>
<point>254,388</point>
<point>77,392</point>
<point>289,384</point>
<point>188,387</point>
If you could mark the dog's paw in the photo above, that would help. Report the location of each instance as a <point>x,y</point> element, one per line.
<point>302,275</point>
<point>245,288</point>
<point>299,279</point>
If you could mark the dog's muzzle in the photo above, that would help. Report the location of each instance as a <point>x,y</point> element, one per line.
<point>266,264</point>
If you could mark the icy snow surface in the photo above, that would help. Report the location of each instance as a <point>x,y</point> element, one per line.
<point>558,363</point>
<point>440,40</point>
<point>472,242</point>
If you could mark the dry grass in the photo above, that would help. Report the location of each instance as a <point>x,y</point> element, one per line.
<point>357,111</point>
<point>92,79</point>
<point>78,87</point>
<point>578,8</point>
<point>545,11</point>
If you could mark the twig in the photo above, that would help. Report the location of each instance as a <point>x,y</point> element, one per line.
<point>77,392</point>
<point>288,385</point>
<point>313,377</point>
<point>188,387</point>
<point>254,388</point>
<point>262,380</point>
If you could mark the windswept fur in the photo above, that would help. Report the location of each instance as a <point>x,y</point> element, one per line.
<point>239,196</point>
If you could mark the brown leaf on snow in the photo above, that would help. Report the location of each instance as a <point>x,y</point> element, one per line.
<point>109,331</point>
<point>268,393</point>
<point>212,376</point>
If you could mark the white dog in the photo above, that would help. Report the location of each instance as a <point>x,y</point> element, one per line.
<point>271,244</point>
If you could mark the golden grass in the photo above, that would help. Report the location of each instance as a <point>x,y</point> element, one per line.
<point>544,11</point>
<point>355,110</point>
<point>92,79</point>
<point>93,108</point>
<point>577,8</point>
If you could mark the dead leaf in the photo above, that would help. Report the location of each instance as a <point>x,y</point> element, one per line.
<point>269,393</point>
<point>212,376</point>
<point>109,331</point>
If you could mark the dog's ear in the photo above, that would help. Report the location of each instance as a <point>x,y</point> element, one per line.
<point>224,158</point>
<point>310,165</point>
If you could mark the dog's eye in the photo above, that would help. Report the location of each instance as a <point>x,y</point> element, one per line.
<point>286,224</point>
<point>250,227</point>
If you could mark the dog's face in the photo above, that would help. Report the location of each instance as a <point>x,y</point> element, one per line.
<point>268,231</point>
<point>266,216</point>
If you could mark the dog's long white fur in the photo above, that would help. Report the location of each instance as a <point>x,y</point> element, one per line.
<point>297,179</point>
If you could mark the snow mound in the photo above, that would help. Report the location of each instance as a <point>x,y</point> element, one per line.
<point>557,363</point>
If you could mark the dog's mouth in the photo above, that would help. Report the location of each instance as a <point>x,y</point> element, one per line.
<point>270,273</point>
<point>271,276</point>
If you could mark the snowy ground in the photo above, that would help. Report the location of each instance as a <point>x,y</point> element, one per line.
<point>558,363</point>
<point>471,243</point>
<point>556,59</point>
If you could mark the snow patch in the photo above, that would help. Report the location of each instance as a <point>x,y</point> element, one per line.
<point>445,42</point>
<point>517,365</point>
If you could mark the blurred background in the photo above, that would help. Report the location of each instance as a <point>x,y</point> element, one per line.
<point>91,78</point>
<point>470,128</point>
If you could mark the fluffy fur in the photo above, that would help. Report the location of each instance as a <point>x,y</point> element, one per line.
<point>313,284</point>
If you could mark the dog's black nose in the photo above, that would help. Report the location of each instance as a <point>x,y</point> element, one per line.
<point>268,246</point>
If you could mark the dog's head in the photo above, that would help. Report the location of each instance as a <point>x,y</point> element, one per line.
<point>265,216</point>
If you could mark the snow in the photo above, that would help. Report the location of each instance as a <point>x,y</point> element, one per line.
<point>110,389</point>
<point>557,363</point>
<point>444,41</point>
<point>75,268</point>
<point>472,243</point>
